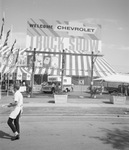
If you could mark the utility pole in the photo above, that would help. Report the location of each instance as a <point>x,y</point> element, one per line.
<point>0,77</point>
<point>92,69</point>
<point>33,69</point>
<point>1,85</point>
<point>62,72</point>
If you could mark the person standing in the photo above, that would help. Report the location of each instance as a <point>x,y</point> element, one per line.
<point>53,88</point>
<point>13,120</point>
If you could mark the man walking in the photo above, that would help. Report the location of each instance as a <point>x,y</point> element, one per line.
<point>13,120</point>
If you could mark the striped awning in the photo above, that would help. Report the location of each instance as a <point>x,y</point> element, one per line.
<point>21,73</point>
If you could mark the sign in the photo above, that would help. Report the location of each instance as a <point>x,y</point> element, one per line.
<point>22,60</point>
<point>30,60</point>
<point>75,29</point>
<point>28,76</point>
<point>56,34</point>
<point>54,79</point>
<point>46,61</point>
<point>81,82</point>
<point>19,76</point>
<point>39,61</point>
<point>58,28</point>
<point>54,62</point>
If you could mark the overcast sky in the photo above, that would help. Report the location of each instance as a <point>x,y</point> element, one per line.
<point>113,15</point>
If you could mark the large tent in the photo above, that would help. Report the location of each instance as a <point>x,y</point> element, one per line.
<point>50,38</point>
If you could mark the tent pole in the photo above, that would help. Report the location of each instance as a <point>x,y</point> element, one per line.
<point>0,75</point>
<point>92,67</point>
<point>63,64</point>
<point>8,84</point>
<point>33,69</point>
<point>1,86</point>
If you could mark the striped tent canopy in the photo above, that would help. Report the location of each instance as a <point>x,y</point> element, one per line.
<point>77,63</point>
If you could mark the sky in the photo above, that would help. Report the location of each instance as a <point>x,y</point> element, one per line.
<point>112,15</point>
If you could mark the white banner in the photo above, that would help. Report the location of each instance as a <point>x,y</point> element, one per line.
<point>46,62</point>
<point>22,60</point>
<point>54,62</point>
<point>19,75</point>
<point>39,61</point>
<point>0,60</point>
<point>28,77</point>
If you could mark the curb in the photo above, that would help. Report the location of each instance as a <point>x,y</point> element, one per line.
<point>74,105</point>
<point>83,115</point>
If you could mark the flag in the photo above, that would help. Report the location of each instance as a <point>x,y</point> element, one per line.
<point>17,56</point>
<point>13,45</point>
<point>10,55</point>
<point>1,46</point>
<point>10,60</point>
<point>6,40</point>
<point>2,28</point>
<point>0,60</point>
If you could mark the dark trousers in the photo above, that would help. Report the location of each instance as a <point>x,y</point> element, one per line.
<point>14,123</point>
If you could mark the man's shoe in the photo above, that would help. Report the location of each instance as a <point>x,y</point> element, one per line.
<point>17,137</point>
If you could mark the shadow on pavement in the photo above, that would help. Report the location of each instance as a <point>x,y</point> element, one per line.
<point>52,101</point>
<point>4,135</point>
<point>119,139</point>
<point>107,102</point>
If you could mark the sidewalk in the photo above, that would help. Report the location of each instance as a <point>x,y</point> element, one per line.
<point>77,104</point>
<point>74,99</point>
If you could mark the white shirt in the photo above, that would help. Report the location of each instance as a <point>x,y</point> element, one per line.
<point>19,107</point>
<point>18,98</point>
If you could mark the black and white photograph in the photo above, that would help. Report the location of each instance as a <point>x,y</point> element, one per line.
<point>64,74</point>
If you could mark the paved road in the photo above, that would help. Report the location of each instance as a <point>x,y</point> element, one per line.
<point>67,133</point>
<point>81,124</point>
